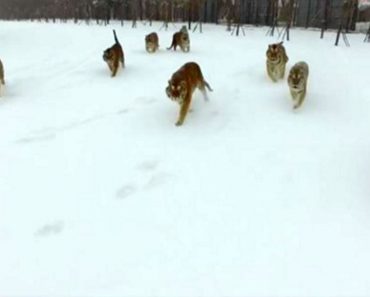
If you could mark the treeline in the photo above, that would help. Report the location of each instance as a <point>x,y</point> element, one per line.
<point>303,13</point>
<point>102,10</point>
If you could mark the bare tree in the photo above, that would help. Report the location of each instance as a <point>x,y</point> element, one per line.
<point>201,4</point>
<point>272,16</point>
<point>165,9</point>
<point>348,7</point>
<point>287,16</point>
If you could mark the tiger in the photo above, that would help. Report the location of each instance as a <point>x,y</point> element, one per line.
<point>2,79</point>
<point>151,42</point>
<point>181,38</point>
<point>114,56</point>
<point>297,81</point>
<point>182,85</point>
<point>276,61</point>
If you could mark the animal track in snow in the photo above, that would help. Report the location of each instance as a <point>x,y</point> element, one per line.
<point>126,191</point>
<point>149,165</point>
<point>152,180</point>
<point>50,229</point>
<point>51,132</point>
<point>36,138</point>
<point>157,179</point>
<point>122,111</point>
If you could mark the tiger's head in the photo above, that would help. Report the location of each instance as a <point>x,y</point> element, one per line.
<point>296,79</point>
<point>176,90</point>
<point>151,42</point>
<point>274,52</point>
<point>108,54</point>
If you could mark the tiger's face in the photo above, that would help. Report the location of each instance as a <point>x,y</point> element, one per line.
<point>296,80</point>
<point>183,41</point>
<point>151,42</point>
<point>108,54</point>
<point>273,52</point>
<point>176,91</point>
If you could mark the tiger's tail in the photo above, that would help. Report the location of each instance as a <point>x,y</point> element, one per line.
<point>208,86</point>
<point>115,37</point>
<point>172,44</point>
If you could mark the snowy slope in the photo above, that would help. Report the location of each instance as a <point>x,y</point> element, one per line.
<point>101,195</point>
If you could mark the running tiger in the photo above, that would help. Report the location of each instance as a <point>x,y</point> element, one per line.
<point>2,80</point>
<point>182,85</point>
<point>297,81</point>
<point>151,42</point>
<point>181,39</point>
<point>276,61</point>
<point>114,56</point>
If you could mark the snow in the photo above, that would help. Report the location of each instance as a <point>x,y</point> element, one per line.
<point>102,195</point>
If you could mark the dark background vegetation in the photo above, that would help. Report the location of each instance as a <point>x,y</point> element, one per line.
<point>302,13</point>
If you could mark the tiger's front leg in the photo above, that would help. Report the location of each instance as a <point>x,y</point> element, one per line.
<point>282,71</point>
<point>110,66</point>
<point>298,102</point>
<point>184,108</point>
<point>270,73</point>
<point>115,68</point>
<point>300,99</point>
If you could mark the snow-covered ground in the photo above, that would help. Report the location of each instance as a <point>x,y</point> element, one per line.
<point>102,195</point>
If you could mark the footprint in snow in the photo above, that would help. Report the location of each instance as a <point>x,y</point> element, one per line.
<point>38,138</point>
<point>50,229</point>
<point>148,165</point>
<point>122,111</point>
<point>157,180</point>
<point>126,191</point>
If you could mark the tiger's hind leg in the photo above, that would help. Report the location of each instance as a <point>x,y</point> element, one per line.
<point>122,59</point>
<point>202,88</point>
<point>205,95</point>
<point>208,86</point>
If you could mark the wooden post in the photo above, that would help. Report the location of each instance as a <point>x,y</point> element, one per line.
<point>324,23</point>
<point>308,14</point>
<point>346,8</point>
